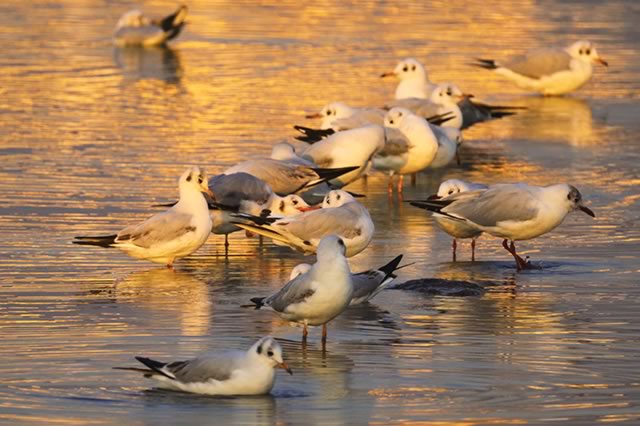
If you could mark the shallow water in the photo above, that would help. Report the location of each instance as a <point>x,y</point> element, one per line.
<point>92,136</point>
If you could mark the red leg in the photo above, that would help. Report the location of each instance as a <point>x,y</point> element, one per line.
<point>473,250</point>
<point>400,182</point>
<point>454,246</point>
<point>390,185</point>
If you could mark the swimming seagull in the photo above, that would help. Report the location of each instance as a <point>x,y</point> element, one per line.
<point>514,212</point>
<point>170,235</point>
<point>320,294</point>
<point>340,214</point>
<point>367,284</point>
<point>135,29</point>
<point>551,71</point>
<point>458,229</point>
<point>225,373</point>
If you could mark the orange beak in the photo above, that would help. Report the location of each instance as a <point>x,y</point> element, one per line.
<point>387,74</point>
<point>315,115</point>
<point>467,95</point>
<point>310,208</point>
<point>602,62</point>
<point>285,367</point>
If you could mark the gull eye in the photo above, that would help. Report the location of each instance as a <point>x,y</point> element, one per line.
<point>450,191</point>
<point>588,51</point>
<point>270,353</point>
<point>200,180</point>
<point>338,197</point>
<point>328,112</point>
<point>189,178</point>
<point>580,52</point>
<point>405,68</point>
<point>259,350</point>
<point>413,68</point>
<point>390,121</point>
<point>399,114</point>
<point>295,202</point>
<point>449,92</point>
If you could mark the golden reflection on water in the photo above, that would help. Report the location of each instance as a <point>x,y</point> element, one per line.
<point>93,136</point>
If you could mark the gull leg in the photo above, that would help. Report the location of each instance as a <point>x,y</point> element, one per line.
<point>400,182</point>
<point>522,263</point>
<point>458,161</point>
<point>473,249</point>
<point>305,332</point>
<point>324,333</point>
<point>454,246</point>
<point>414,179</point>
<point>390,185</point>
<point>170,265</point>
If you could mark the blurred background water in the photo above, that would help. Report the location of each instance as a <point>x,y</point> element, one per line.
<point>92,136</point>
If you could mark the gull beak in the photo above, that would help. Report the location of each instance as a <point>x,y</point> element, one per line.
<point>602,62</point>
<point>587,210</point>
<point>433,197</point>
<point>468,95</point>
<point>314,115</point>
<point>387,74</point>
<point>285,367</point>
<point>209,193</point>
<point>309,208</point>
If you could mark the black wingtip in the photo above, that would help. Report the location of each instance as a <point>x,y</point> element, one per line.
<point>329,174</point>
<point>440,119</point>
<point>257,301</point>
<point>258,220</point>
<point>155,366</point>
<point>311,136</point>
<point>488,64</point>
<point>100,241</point>
<point>390,267</point>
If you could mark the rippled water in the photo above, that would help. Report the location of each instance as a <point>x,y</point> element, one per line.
<point>92,136</point>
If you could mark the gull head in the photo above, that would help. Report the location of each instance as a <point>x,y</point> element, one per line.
<point>396,116</point>
<point>585,51</point>
<point>336,198</point>
<point>269,351</point>
<point>445,94</point>
<point>451,187</point>
<point>574,198</point>
<point>283,151</point>
<point>300,269</point>
<point>290,205</point>
<point>133,18</point>
<point>329,246</point>
<point>194,179</point>
<point>408,69</point>
<point>333,110</point>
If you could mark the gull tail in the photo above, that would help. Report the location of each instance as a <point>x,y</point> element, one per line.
<point>488,64</point>
<point>312,136</point>
<point>156,367</point>
<point>325,175</point>
<point>257,302</point>
<point>173,24</point>
<point>101,241</point>
<point>434,206</point>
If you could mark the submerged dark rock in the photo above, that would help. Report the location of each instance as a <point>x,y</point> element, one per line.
<point>441,287</point>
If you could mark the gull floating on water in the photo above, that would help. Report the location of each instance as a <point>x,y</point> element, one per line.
<point>225,373</point>
<point>340,214</point>
<point>551,71</point>
<point>318,295</point>
<point>135,29</point>
<point>514,212</point>
<point>170,235</point>
<point>367,284</point>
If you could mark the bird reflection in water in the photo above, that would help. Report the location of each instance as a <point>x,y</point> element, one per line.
<point>156,63</point>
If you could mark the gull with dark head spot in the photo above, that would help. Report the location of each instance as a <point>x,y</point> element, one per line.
<point>318,295</point>
<point>550,71</point>
<point>170,235</point>
<point>135,29</point>
<point>225,373</point>
<point>514,212</point>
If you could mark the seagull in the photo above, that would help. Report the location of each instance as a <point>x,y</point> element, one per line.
<point>513,212</point>
<point>170,235</point>
<point>449,141</point>
<point>225,373</point>
<point>410,156</point>
<point>551,71</point>
<point>135,29</point>
<point>347,148</point>
<point>285,177</point>
<point>415,83</point>
<point>458,229</point>
<point>244,193</point>
<point>367,284</point>
<point>442,101</point>
<point>340,116</point>
<point>340,214</point>
<point>320,294</point>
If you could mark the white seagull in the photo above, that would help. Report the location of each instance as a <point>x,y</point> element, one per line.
<point>320,294</point>
<point>551,71</point>
<point>170,235</point>
<point>458,229</point>
<point>367,284</point>
<point>225,373</point>
<point>340,214</point>
<point>514,212</point>
<point>414,81</point>
<point>410,155</point>
<point>135,29</point>
<point>443,101</point>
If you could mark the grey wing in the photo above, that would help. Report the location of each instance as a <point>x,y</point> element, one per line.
<point>320,153</point>
<point>138,35</point>
<point>363,117</point>
<point>158,229</point>
<point>341,221</point>
<point>295,291</point>
<point>421,107</point>
<point>365,283</point>
<point>539,63</point>
<point>234,188</point>
<point>396,143</point>
<point>497,204</point>
<point>203,368</point>
<point>284,178</point>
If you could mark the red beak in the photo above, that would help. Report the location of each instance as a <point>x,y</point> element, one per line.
<point>310,208</point>
<point>315,115</point>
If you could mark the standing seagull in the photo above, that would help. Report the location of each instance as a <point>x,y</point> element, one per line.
<point>340,214</point>
<point>231,373</point>
<point>549,71</point>
<point>458,229</point>
<point>135,29</point>
<point>319,295</point>
<point>514,212</point>
<point>170,235</point>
